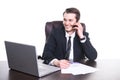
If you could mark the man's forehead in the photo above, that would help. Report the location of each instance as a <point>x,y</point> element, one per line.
<point>69,15</point>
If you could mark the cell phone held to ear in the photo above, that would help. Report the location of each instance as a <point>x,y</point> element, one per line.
<point>75,26</point>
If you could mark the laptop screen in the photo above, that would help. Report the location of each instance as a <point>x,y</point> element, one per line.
<point>22,57</point>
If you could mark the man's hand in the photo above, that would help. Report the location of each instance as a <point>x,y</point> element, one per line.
<point>79,30</point>
<point>63,64</point>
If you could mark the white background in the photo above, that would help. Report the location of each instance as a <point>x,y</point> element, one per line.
<point>24,21</point>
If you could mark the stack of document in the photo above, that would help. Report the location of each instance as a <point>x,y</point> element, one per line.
<point>78,68</point>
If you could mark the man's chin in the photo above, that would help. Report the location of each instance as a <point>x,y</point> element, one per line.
<point>69,30</point>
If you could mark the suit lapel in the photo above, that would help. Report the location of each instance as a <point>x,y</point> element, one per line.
<point>63,38</point>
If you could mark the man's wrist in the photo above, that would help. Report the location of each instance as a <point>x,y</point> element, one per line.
<point>54,62</point>
<point>83,39</point>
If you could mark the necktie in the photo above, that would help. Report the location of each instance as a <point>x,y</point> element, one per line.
<point>68,47</point>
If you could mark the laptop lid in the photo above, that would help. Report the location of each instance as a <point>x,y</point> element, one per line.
<point>22,57</point>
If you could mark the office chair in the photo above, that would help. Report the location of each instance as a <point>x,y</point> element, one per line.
<point>54,24</point>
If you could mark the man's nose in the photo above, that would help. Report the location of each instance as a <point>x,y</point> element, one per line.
<point>66,23</point>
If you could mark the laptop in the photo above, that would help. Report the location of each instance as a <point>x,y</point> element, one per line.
<point>23,58</point>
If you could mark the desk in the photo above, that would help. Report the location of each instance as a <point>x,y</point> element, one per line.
<point>108,70</point>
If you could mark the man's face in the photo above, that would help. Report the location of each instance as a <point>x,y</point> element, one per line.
<point>68,21</point>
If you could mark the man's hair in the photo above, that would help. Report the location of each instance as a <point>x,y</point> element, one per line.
<point>73,10</point>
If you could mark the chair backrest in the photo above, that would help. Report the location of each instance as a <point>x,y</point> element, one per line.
<point>53,24</point>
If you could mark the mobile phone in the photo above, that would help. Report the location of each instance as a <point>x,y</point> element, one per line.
<point>75,26</point>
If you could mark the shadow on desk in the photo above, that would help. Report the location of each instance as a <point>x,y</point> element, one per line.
<point>91,63</point>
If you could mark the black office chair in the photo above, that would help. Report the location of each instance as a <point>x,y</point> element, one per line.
<point>54,24</point>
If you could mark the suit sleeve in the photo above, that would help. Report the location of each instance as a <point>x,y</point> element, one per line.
<point>89,50</point>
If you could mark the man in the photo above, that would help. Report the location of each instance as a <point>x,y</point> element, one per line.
<point>56,51</point>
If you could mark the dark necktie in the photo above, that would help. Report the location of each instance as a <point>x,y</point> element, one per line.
<point>68,47</point>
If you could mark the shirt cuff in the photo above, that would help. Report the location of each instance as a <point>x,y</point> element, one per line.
<point>83,40</point>
<point>52,62</point>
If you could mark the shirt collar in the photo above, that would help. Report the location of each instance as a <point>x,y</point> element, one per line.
<point>72,35</point>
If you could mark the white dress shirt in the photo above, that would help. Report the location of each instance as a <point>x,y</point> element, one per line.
<point>71,50</point>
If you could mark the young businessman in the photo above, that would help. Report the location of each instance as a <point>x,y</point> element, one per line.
<point>60,51</point>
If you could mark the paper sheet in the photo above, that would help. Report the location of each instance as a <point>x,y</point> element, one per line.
<point>78,68</point>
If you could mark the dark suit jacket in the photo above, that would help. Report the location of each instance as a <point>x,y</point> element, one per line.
<point>55,47</point>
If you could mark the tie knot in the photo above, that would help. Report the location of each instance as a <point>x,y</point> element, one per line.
<point>69,37</point>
